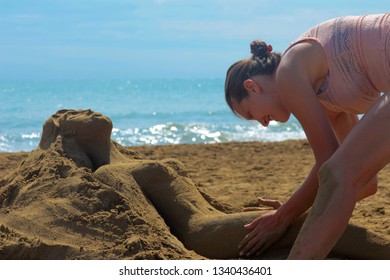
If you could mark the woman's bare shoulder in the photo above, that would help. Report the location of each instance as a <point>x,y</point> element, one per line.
<point>305,62</point>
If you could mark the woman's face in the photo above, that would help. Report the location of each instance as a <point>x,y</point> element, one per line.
<point>256,106</point>
<point>262,107</point>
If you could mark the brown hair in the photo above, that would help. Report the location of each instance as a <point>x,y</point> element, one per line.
<point>262,62</point>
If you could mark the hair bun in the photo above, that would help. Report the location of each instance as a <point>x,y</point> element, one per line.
<point>260,49</point>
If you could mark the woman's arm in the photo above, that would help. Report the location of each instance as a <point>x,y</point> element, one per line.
<point>302,198</point>
<point>342,123</point>
<point>297,76</point>
<point>295,80</point>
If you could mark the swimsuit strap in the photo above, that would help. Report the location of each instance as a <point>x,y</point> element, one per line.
<point>307,39</point>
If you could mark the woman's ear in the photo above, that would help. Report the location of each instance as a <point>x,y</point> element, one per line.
<point>251,86</point>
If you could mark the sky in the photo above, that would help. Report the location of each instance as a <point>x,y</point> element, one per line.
<point>163,39</point>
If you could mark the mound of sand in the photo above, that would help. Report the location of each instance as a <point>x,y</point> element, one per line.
<point>54,206</point>
<point>81,196</point>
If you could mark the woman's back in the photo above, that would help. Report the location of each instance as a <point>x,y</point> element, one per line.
<point>358,56</point>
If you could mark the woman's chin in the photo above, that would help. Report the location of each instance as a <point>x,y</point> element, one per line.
<point>283,119</point>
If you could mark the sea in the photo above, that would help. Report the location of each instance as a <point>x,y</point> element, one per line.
<point>143,112</point>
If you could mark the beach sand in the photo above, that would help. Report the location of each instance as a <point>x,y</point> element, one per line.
<point>81,196</point>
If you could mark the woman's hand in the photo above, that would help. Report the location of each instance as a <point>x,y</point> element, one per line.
<point>266,230</point>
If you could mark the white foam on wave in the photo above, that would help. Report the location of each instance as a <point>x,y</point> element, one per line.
<point>174,133</point>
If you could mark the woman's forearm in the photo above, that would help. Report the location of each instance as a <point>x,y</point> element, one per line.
<point>302,199</point>
<point>369,189</point>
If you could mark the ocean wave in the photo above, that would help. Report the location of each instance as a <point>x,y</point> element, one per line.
<point>174,133</point>
<point>19,142</point>
<point>143,112</point>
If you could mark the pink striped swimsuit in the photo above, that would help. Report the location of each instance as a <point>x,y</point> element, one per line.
<point>358,54</point>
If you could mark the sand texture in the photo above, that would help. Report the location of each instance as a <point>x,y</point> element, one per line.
<point>79,195</point>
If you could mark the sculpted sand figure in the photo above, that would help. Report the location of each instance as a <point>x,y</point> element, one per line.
<point>84,138</point>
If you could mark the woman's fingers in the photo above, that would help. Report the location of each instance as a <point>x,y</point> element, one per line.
<point>264,231</point>
<point>275,204</point>
<point>252,247</point>
<point>246,244</point>
<point>261,250</point>
<point>264,204</point>
<point>253,243</point>
<point>251,209</point>
<point>247,238</point>
<point>253,224</point>
<point>253,240</point>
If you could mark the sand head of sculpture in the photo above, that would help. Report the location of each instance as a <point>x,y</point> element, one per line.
<point>83,131</point>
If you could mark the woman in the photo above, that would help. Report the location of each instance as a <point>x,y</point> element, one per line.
<point>332,73</point>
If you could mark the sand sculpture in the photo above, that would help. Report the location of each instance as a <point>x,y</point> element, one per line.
<point>80,195</point>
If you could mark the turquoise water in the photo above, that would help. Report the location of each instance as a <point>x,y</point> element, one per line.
<point>143,112</point>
